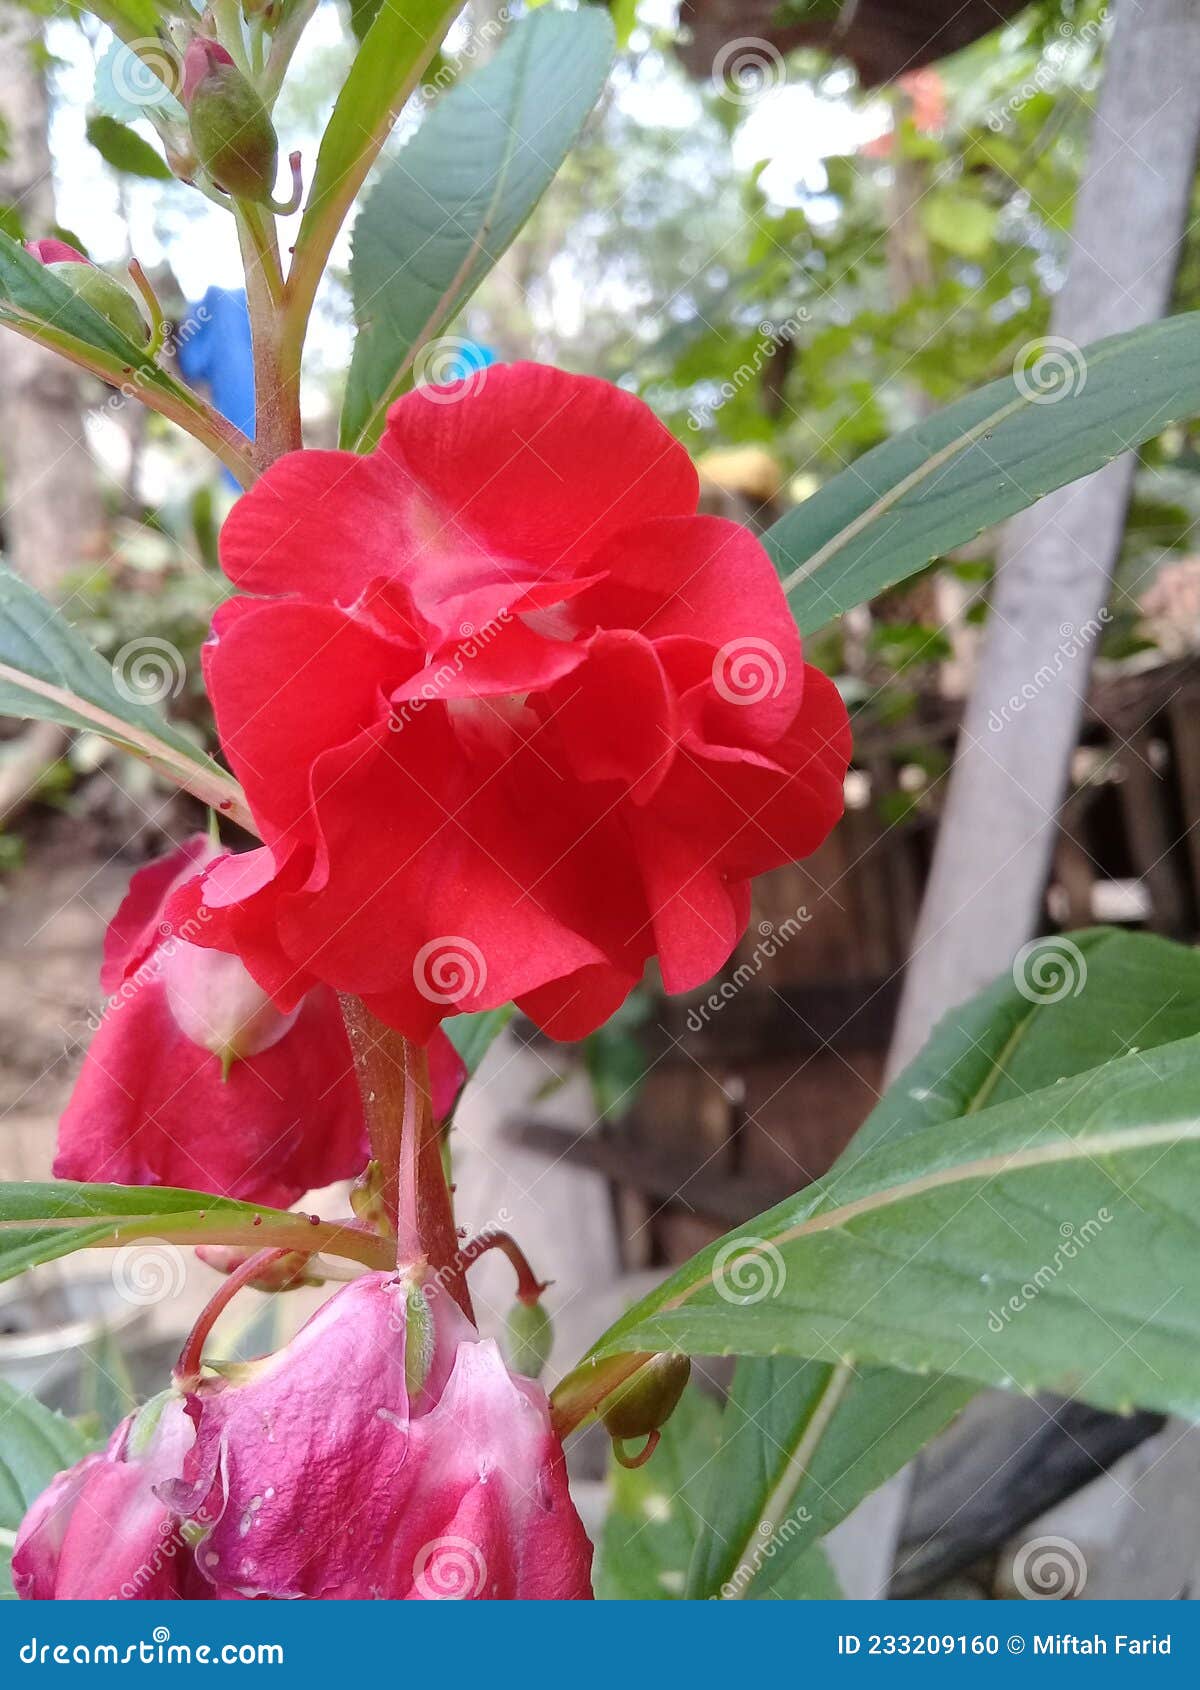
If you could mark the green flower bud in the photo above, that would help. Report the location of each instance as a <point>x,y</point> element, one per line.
<point>648,1398</point>
<point>231,130</point>
<point>102,293</point>
<point>106,296</point>
<point>528,1339</point>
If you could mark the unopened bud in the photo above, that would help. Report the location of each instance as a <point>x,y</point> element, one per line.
<point>101,292</point>
<point>528,1339</point>
<point>231,129</point>
<point>218,1006</point>
<point>648,1399</point>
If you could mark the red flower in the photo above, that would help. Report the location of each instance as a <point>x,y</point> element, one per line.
<point>512,719</point>
<point>195,1079</point>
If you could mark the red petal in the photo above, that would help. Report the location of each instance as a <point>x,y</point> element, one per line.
<point>138,926</point>
<point>287,681</point>
<point>541,465</point>
<point>150,1107</point>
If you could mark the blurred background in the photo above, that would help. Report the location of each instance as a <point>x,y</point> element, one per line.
<point>793,230</point>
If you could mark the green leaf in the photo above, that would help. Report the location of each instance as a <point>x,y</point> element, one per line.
<point>781,1454</point>
<point>473,1035</point>
<point>624,16</point>
<point>125,149</point>
<point>391,60</point>
<point>937,485</point>
<point>35,1444</point>
<point>1140,991</point>
<point>362,16</point>
<point>106,1392</point>
<point>801,1444</point>
<point>445,209</point>
<point>807,1578</point>
<point>1072,1003</point>
<point>1016,1209</point>
<point>129,18</point>
<point>49,673</point>
<point>1049,1242</point>
<point>960,221</point>
<point>41,1221</point>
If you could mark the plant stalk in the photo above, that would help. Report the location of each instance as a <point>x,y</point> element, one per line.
<point>393,1077</point>
<point>276,398</point>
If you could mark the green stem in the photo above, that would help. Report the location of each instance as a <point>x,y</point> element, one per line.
<point>276,396</point>
<point>171,399</point>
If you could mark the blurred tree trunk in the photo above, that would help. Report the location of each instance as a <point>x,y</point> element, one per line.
<point>51,518</point>
<point>1056,560</point>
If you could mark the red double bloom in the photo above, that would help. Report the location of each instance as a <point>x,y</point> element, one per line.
<point>511,717</point>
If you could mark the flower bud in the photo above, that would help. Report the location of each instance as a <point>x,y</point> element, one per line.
<point>528,1339</point>
<point>100,291</point>
<point>100,1530</point>
<point>216,1004</point>
<point>231,129</point>
<point>648,1399</point>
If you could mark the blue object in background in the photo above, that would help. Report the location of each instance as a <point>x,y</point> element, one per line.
<point>465,358</point>
<point>213,345</point>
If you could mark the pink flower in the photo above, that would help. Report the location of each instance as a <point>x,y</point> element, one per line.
<point>386,1452</point>
<point>195,1079</point>
<point>100,1529</point>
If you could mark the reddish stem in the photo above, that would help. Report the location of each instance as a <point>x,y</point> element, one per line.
<point>393,1078</point>
<point>621,1454</point>
<point>529,1286</point>
<point>187,1368</point>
